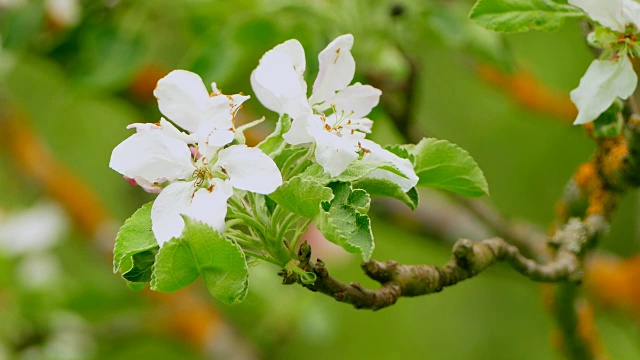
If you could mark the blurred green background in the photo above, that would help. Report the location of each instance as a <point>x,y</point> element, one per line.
<point>78,79</point>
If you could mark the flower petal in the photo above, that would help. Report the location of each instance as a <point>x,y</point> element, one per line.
<point>299,131</point>
<point>334,153</point>
<point>278,82</point>
<point>152,155</point>
<point>211,207</point>
<point>631,12</point>
<point>183,98</point>
<point>604,81</point>
<point>608,13</point>
<point>174,200</point>
<point>250,169</point>
<point>355,101</point>
<point>337,68</point>
<point>378,154</point>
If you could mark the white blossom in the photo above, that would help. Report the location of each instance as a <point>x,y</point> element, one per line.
<point>603,82</point>
<point>334,116</point>
<point>613,76</point>
<point>614,14</point>
<point>201,171</point>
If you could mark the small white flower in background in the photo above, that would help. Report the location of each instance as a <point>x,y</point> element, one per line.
<point>29,235</point>
<point>64,13</point>
<point>12,4</point>
<point>614,77</point>
<point>200,170</point>
<point>340,136</point>
<point>36,229</point>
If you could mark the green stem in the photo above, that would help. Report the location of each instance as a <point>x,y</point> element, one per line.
<point>244,238</point>
<point>296,238</point>
<point>286,223</point>
<point>251,222</point>
<point>262,257</point>
<point>298,169</point>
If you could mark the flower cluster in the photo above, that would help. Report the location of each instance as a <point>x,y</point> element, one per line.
<point>194,171</point>
<point>612,76</point>
<point>334,116</point>
<point>194,159</point>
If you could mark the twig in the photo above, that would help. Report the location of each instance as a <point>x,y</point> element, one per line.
<point>468,260</point>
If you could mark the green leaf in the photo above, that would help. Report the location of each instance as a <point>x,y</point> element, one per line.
<point>443,165</point>
<point>239,137</point>
<point>401,151</point>
<point>302,196</point>
<point>135,236</point>
<point>356,171</point>
<point>142,267</point>
<point>343,222</point>
<point>274,143</point>
<point>522,15</point>
<point>287,157</point>
<point>220,261</point>
<point>377,187</point>
<point>175,267</point>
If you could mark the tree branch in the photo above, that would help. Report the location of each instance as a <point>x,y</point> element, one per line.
<point>468,260</point>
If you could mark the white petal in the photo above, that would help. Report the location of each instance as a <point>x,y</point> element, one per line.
<point>144,126</point>
<point>164,125</point>
<point>174,132</point>
<point>211,207</point>
<point>608,13</point>
<point>337,68</point>
<point>277,82</point>
<point>295,51</point>
<point>152,155</point>
<point>334,153</point>
<point>250,169</point>
<point>355,101</point>
<point>603,82</point>
<point>378,154</point>
<point>183,98</point>
<point>174,200</point>
<point>299,131</point>
<point>220,137</point>
<point>148,186</point>
<point>631,12</point>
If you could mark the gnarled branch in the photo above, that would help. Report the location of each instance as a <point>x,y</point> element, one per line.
<point>468,259</point>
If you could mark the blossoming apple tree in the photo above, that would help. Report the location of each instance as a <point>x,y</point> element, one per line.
<point>222,205</point>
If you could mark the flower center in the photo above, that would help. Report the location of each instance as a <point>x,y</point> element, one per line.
<point>202,175</point>
<point>340,124</point>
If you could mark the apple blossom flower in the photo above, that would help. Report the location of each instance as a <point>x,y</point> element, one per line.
<point>613,76</point>
<point>199,182</point>
<point>339,136</point>
<point>209,118</point>
<point>614,14</point>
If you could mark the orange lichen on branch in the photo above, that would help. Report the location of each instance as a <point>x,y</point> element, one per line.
<point>613,282</point>
<point>36,161</point>
<point>612,159</point>
<point>587,329</point>
<point>530,93</point>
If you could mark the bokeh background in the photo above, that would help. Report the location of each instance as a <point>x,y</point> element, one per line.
<point>75,73</point>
